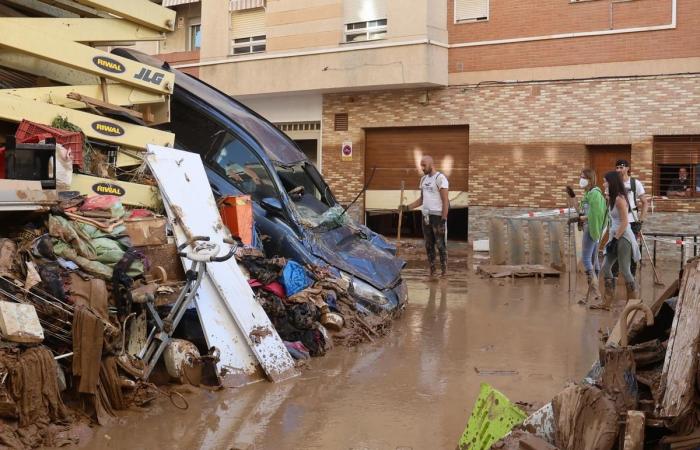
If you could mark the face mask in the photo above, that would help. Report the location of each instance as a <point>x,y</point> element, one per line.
<point>583,182</point>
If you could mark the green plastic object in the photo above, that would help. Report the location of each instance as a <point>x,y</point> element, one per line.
<point>492,418</point>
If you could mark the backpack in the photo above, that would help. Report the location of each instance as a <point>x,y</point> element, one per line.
<point>633,188</point>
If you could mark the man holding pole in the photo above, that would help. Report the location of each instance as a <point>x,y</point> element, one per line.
<point>435,207</point>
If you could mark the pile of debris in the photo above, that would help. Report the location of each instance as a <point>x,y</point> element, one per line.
<point>310,307</point>
<point>67,282</point>
<point>98,311</point>
<point>643,391</point>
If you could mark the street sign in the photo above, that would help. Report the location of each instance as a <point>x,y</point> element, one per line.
<point>346,151</point>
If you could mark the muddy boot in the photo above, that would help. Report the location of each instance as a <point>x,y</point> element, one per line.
<point>608,295</point>
<point>432,270</point>
<point>443,270</point>
<point>632,290</point>
<point>593,292</point>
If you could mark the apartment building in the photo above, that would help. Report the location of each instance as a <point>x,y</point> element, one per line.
<point>513,98</point>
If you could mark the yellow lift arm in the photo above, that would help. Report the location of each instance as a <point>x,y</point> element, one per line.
<point>59,47</point>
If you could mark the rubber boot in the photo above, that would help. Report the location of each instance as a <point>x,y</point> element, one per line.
<point>608,295</point>
<point>593,290</point>
<point>632,290</point>
<point>443,269</point>
<point>432,269</point>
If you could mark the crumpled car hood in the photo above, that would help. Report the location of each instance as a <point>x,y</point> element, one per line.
<point>352,253</point>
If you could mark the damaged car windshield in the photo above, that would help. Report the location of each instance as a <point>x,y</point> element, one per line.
<point>311,196</point>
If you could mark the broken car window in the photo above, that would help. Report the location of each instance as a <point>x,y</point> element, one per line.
<point>247,172</point>
<point>311,197</point>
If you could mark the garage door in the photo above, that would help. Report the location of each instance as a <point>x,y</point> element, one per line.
<point>395,153</point>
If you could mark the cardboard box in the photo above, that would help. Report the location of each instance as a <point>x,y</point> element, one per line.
<point>146,231</point>
<point>20,323</point>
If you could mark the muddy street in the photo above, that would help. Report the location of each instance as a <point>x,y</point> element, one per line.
<point>413,389</point>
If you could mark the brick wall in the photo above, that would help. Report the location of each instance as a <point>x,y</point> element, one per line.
<point>526,140</point>
<point>525,18</point>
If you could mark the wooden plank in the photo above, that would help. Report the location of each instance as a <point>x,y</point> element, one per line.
<point>634,431</point>
<point>188,197</point>
<point>516,243</point>
<point>396,153</point>
<point>536,242</point>
<point>523,270</point>
<point>680,365</point>
<point>497,239</point>
<point>556,245</point>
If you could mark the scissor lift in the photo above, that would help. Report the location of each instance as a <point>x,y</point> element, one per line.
<point>65,42</point>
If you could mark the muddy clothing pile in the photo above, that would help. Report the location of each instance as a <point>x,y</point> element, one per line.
<point>76,268</point>
<point>310,307</point>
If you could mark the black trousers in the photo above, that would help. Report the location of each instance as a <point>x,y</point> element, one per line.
<point>434,234</point>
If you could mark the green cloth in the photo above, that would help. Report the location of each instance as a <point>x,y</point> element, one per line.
<point>596,212</point>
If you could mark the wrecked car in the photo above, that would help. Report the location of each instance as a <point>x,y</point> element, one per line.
<point>294,208</point>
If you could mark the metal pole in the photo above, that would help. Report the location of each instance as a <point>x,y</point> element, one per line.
<point>568,225</point>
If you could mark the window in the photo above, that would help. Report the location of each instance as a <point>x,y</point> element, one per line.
<point>241,165</point>
<point>365,31</point>
<point>254,44</point>
<point>249,34</point>
<point>677,166</point>
<point>471,10</point>
<point>195,37</point>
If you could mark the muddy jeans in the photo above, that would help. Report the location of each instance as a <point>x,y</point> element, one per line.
<point>589,255</point>
<point>434,234</point>
<point>623,257</point>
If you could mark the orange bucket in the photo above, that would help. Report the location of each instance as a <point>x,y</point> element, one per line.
<point>237,214</point>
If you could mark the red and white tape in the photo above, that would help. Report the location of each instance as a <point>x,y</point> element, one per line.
<point>678,242</point>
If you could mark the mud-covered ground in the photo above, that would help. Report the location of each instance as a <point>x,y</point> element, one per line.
<point>413,389</point>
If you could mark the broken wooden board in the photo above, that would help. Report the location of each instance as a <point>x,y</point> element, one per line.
<point>556,245</point>
<point>585,419</point>
<point>634,431</point>
<point>536,230</point>
<point>228,309</point>
<point>497,239</point>
<point>680,365</point>
<point>516,243</point>
<point>520,271</point>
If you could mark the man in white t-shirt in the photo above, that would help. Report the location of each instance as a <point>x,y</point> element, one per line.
<point>435,207</point>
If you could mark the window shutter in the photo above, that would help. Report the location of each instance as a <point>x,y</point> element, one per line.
<point>239,5</point>
<point>471,9</point>
<point>363,10</point>
<point>341,122</point>
<point>248,23</point>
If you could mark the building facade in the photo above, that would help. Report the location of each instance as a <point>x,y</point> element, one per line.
<point>513,98</point>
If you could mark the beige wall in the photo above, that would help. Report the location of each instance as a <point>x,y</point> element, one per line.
<point>297,24</point>
<point>309,24</point>
<point>177,41</point>
<point>215,32</point>
<point>406,65</point>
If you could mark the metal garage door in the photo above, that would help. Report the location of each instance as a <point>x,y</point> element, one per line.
<point>395,153</point>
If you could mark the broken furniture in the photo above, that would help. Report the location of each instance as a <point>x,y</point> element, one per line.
<point>31,162</point>
<point>159,338</point>
<point>232,319</point>
<point>508,245</point>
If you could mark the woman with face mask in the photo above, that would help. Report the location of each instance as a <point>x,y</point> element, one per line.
<point>622,245</point>
<point>591,217</point>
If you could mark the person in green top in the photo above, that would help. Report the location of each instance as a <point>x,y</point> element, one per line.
<point>592,217</point>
